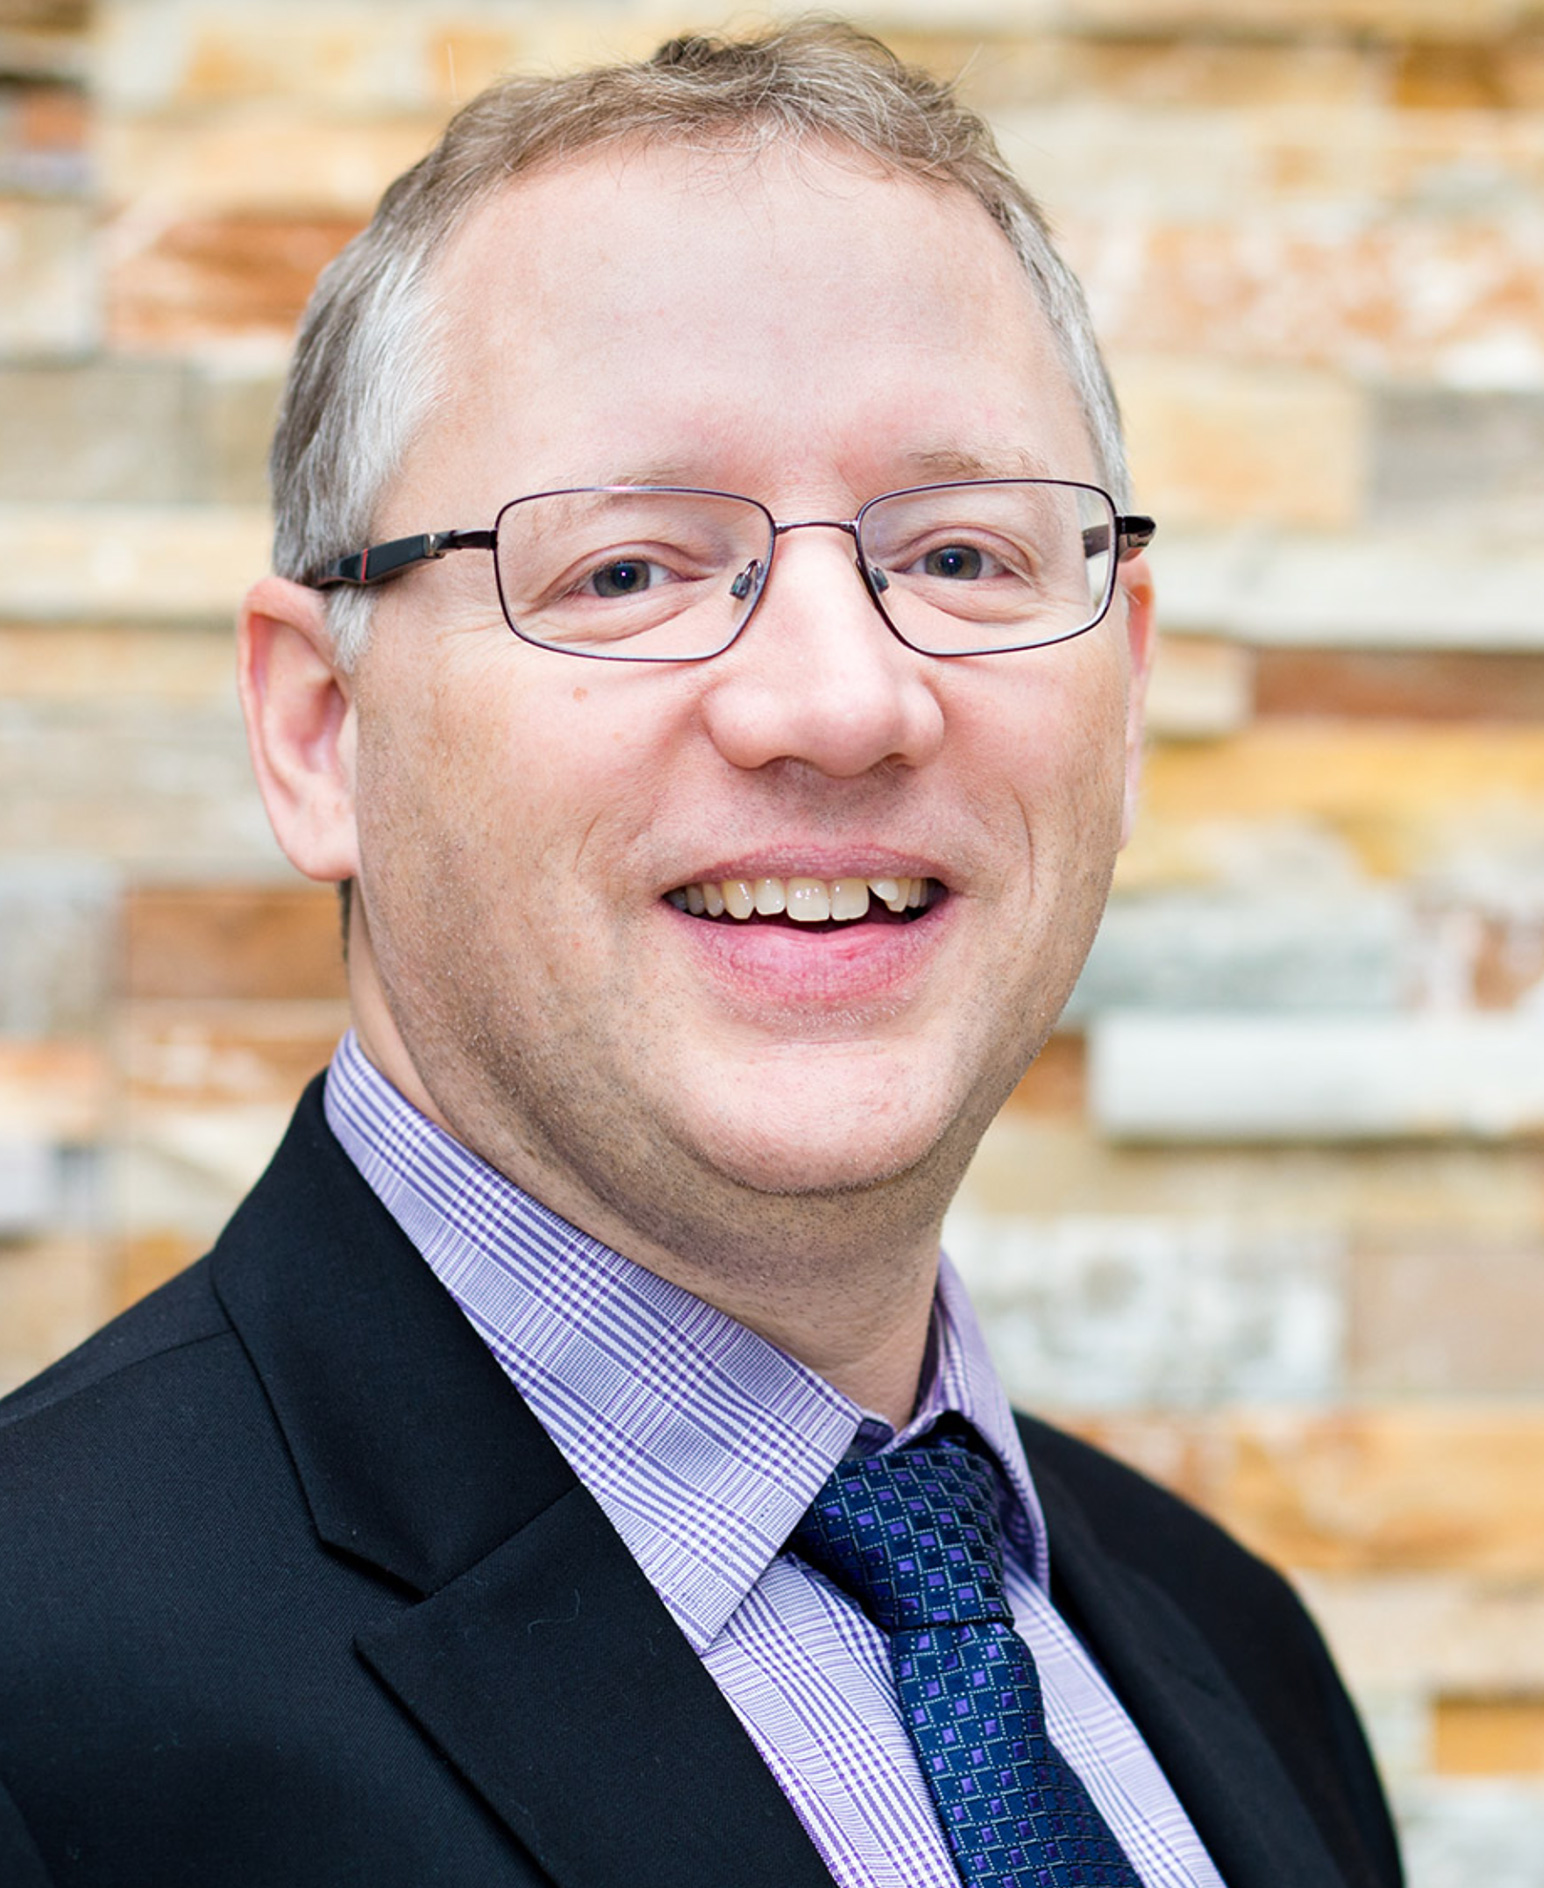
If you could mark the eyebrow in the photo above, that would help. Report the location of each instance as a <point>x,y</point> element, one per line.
<point>1012,462</point>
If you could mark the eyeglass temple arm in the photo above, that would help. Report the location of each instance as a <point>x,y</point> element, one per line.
<point>381,561</point>
<point>1131,535</point>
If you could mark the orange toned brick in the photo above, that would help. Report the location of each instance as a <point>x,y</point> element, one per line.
<point>223,1052</point>
<point>58,1091</point>
<point>1219,443</point>
<point>1437,75</point>
<point>1057,1084</point>
<point>1488,1737</point>
<point>1462,1316</point>
<point>1393,794</point>
<point>262,157</point>
<point>52,1296</point>
<point>148,1260</point>
<point>245,276</point>
<point>265,942</point>
<point>1395,684</point>
<point>1408,1488</point>
<point>72,662</point>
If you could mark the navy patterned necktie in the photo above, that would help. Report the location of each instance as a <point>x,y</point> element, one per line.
<point>913,1537</point>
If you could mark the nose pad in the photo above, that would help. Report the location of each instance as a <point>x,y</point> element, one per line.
<point>878,579</point>
<point>748,580</point>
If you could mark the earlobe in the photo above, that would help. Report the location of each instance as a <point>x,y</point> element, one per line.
<point>300,727</point>
<point>1137,592</point>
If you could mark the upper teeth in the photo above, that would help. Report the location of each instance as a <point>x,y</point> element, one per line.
<point>806,900</point>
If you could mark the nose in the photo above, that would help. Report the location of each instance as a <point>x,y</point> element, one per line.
<point>816,674</point>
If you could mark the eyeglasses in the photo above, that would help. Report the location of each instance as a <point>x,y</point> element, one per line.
<point>661,573</point>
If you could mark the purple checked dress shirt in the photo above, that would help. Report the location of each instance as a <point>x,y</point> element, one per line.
<point>704,1444</point>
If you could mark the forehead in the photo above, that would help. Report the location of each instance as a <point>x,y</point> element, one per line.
<point>698,316</point>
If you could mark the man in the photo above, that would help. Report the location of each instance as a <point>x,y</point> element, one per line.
<point>495,1504</point>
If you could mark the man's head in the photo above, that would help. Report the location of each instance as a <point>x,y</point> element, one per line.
<point>742,1103</point>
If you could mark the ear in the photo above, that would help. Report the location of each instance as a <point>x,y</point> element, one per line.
<point>300,726</point>
<point>1136,584</point>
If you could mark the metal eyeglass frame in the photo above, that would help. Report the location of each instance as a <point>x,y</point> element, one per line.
<point>379,563</point>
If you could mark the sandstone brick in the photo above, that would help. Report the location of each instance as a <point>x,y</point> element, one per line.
<point>1435,18</point>
<point>52,1297</point>
<point>1457,301</point>
<point>1379,1195</point>
<point>140,1265</point>
<point>1391,684</point>
<point>53,1091</point>
<point>162,52</point>
<point>1363,781</point>
<point>261,156</point>
<point>1057,1084</point>
<point>221,1052</point>
<point>1011,69</point>
<point>48,266</point>
<point>1406,1488</point>
<point>236,941</point>
<point>1219,443</point>
<point>1455,1317</point>
<point>1430,1633</point>
<point>1449,76</point>
<point>240,279</point>
<point>1199,687</point>
<point>188,1168</point>
<point>1489,1736</point>
<point>60,663</point>
<point>118,563</point>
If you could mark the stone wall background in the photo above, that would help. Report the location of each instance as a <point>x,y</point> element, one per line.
<point>1268,1217</point>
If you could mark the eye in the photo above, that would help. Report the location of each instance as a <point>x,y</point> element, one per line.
<point>954,561</point>
<point>625,577</point>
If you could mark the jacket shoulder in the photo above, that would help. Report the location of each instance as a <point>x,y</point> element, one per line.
<point>1251,1620</point>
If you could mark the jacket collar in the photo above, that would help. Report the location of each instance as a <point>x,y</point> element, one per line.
<point>534,1653</point>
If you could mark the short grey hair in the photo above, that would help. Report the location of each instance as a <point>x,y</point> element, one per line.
<point>367,365</point>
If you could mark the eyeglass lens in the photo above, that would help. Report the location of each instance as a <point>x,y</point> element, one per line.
<point>667,575</point>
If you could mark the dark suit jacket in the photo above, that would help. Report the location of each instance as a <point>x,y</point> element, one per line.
<point>295,1591</point>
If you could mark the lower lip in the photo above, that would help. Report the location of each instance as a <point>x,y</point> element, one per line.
<point>819,972</point>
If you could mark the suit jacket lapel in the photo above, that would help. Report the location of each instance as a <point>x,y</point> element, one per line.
<point>1218,1761</point>
<point>536,1655</point>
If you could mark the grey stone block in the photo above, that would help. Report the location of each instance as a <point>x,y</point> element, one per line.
<point>1205,950</point>
<point>1450,460</point>
<point>1159,1076</point>
<point>1102,1312</point>
<point>58,931</point>
<point>109,432</point>
<point>233,424</point>
<point>1458,1835</point>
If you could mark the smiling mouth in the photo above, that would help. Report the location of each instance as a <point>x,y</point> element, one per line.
<point>832,902</point>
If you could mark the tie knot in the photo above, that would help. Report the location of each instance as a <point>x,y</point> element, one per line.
<point>912,1536</point>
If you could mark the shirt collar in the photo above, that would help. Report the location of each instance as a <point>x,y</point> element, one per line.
<point>702,1442</point>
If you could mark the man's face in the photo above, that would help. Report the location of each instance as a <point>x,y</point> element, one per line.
<point>810,333</point>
